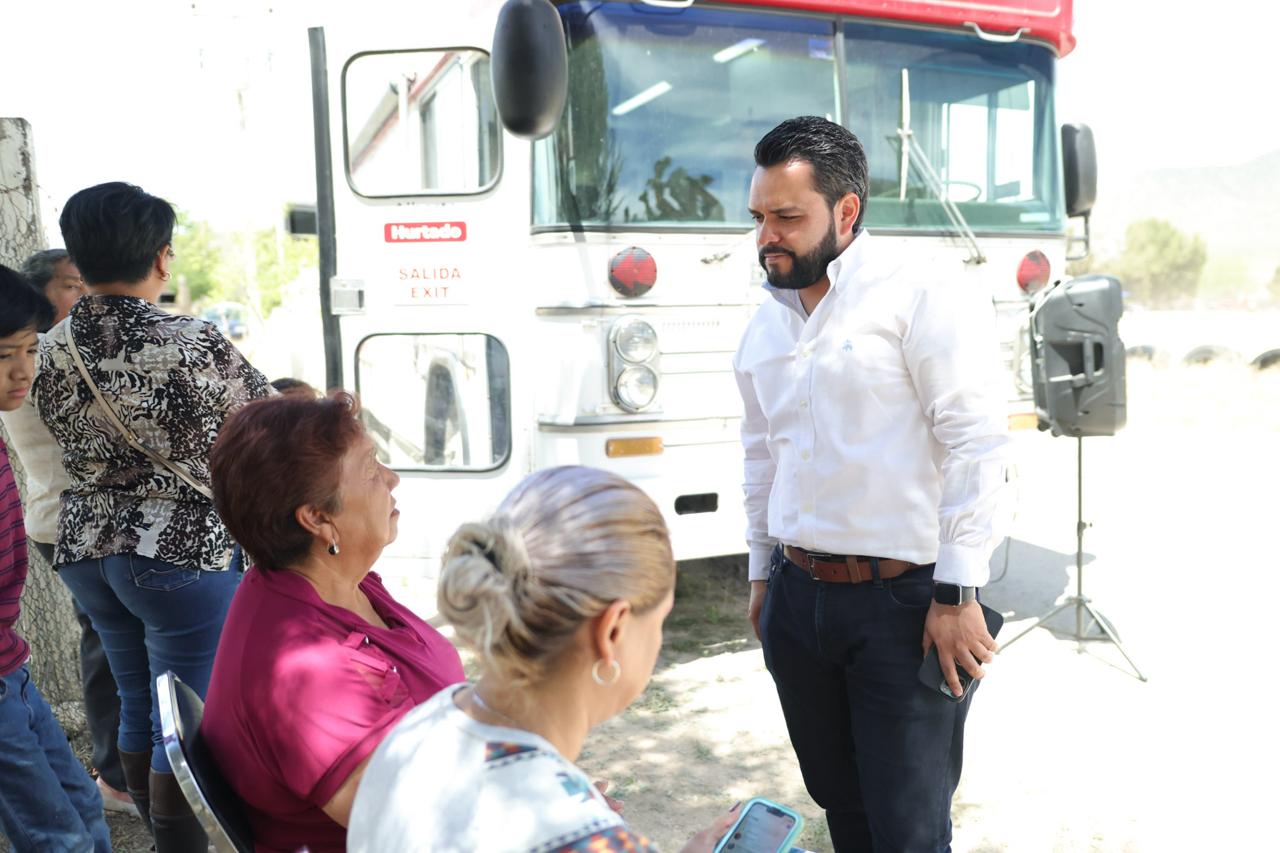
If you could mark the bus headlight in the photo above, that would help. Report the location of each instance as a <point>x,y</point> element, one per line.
<point>636,387</point>
<point>633,363</point>
<point>635,340</point>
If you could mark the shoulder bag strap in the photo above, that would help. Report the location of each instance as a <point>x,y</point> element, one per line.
<point>132,439</point>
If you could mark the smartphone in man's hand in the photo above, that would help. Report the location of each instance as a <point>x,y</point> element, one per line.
<point>931,670</point>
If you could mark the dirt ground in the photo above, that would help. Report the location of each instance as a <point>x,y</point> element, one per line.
<point>708,731</point>
<point>1066,748</point>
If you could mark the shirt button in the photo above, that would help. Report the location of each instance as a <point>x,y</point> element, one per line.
<point>804,404</point>
<point>804,454</point>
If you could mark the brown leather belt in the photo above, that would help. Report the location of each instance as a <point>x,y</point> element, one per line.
<point>837,568</point>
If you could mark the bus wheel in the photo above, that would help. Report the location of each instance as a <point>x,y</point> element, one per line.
<point>1145,352</point>
<point>1206,354</point>
<point>1270,358</point>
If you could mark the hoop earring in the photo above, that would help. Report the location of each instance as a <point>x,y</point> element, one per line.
<point>166,276</point>
<point>615,672</point>
<point>333,549</point>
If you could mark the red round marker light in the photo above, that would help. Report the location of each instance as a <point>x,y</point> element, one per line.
<point>1033,272</point>
<point>633,271</point>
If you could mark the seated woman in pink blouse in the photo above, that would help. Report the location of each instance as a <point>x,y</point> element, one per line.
<point>317,661</point>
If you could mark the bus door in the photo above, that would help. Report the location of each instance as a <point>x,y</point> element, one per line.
<point>416,318</point>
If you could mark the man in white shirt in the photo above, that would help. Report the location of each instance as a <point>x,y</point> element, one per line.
<point>874,465</point>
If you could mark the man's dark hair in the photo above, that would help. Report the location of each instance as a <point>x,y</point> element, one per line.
<point>838,161</point>
<point>114,231</point>
<point>21,305</point>
<point>39,268</point>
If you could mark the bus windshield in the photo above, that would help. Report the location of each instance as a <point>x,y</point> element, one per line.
<point>981,117</point>
<point>665,107</point>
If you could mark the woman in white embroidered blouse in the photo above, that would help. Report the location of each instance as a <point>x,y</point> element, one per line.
<point>562,592</point>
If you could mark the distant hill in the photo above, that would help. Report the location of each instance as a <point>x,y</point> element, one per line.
<point>1234,209</point>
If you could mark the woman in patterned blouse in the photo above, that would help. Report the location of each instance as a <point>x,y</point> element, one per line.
<point>141,548</point>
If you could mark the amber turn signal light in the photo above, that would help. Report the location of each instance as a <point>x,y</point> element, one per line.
<point>616,447</point>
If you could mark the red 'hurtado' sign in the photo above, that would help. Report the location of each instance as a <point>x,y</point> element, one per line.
<point>425,232</point>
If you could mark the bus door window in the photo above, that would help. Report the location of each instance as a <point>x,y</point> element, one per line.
<point>420,123</point>
<point>436,401</point>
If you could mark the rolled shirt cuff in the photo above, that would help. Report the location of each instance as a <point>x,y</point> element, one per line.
<point>965,565</point>
<point>758,560</point>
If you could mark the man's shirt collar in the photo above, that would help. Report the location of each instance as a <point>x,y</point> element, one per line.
<point>839,271</point>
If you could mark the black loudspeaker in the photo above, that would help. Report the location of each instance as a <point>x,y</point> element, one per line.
<point>1077,357</point>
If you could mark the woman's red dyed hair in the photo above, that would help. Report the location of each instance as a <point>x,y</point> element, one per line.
<point>273,456</point>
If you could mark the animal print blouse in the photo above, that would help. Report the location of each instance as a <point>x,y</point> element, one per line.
<point>173,380</point>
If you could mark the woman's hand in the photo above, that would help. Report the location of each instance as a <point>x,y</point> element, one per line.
<point>603,787</point>
<point>705,841</point>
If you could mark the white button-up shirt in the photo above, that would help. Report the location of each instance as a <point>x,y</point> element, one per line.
<point>870,427</point>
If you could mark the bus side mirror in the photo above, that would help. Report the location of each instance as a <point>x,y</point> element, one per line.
<point>1080,182</point>
<point>1079,169</point>
<point>530,67</point>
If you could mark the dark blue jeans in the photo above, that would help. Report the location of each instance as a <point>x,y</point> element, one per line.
<point>152,616</point>
<point>47,800</point>
<point>879,751</point>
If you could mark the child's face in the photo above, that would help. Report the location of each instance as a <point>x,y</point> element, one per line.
<point>17,368</point>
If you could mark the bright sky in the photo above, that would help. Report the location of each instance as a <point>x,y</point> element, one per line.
<point>1168,83</point>
<point>211,108</point>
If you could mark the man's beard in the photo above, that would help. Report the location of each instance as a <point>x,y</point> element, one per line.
<point>807,269</point>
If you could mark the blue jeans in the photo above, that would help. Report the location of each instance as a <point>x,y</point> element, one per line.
<point>152,616</point>
<point>101,701</point>
<point>47,800</point>
<point>879,751</point>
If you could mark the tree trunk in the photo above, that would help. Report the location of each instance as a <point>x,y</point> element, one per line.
<point>47,621</point>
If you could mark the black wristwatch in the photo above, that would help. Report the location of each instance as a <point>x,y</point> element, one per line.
<point>954,594</point>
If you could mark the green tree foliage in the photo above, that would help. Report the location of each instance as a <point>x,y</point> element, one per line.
<point>200,261</point>
<point>278,259</point>
<point>588,180</point>
<point>247,267</point>
<point>1160,265</point>
<point>678,196</point>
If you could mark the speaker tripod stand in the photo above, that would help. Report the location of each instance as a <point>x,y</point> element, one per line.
<point>1081,604</point>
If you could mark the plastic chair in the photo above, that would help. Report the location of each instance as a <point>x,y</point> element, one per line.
<point>215,805</point>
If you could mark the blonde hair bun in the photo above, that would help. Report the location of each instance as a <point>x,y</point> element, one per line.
<point>564,544</point>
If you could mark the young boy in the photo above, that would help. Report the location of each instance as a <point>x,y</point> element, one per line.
<point>47,800</point>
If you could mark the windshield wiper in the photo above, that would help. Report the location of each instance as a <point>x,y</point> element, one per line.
<point>911,148</point>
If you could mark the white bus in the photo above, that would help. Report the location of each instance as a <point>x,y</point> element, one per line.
<point>504,304</point>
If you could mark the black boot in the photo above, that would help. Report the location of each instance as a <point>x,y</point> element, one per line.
<point>175,828</point>
<point>137,772</point>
